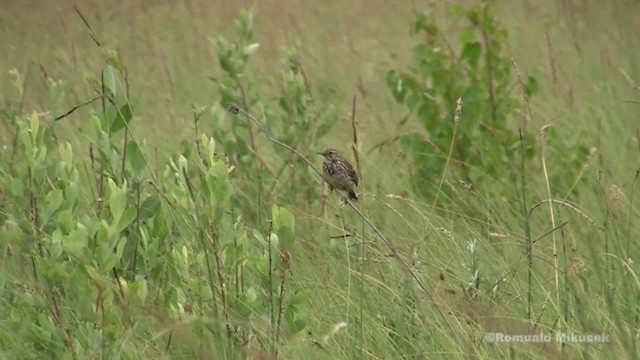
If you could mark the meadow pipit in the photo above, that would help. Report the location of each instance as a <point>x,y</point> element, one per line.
<point>338,173</point>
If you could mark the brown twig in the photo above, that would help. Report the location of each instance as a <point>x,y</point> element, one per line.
<point>77,107</point>
<point>223,297</point>
<point>86,23</point>
<point>552,60</point>
<point>270,258</point>
<point>525,98</point>
<point>286,259</point>
<point>345,235</point>
<point>570,206</point>
<point>354,146</point>
<point>305,80</point>
<point>492,96</point>
<point>456,121</point>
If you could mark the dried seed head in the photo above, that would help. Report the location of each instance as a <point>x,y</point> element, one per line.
<point>593,152</point>
<point>458,114</point>
<point>543,132</point>
<point>628,79</point>
<point>617,195</point>
<point>234,109</point>
<point>336,328</point>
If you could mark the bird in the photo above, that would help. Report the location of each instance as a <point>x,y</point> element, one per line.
<point>339,173</point>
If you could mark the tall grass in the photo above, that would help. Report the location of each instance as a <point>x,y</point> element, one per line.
<point>544,250</point>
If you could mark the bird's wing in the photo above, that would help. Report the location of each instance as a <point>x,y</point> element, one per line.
<point>352,173</point>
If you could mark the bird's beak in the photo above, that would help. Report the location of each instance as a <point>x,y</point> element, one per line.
<point>320,153</point>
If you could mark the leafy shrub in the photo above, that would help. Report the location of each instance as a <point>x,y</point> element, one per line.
<point>115,248</point>
<point>481,74</point>
<point>294,119</point>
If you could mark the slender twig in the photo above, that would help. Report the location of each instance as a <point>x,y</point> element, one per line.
<point>487,44</point>
<point>223,296</point>
<point>527,229</point>
<point>564,316</point>
<point>234,109</point>
<point>57,317</point>
<point>354,146</point>
<point>77,107</point>
<point>126,128</point>
<point>552,60</point>
<point>271,310</point>
<point>633,187</point>
<point>559,227</point>
<point>345,235</point>
<point>570,206</point>
<point>138,229</point>
<point>552,217</point>
<point>456,121</point>
<point>286,259</point>
<point>86,23</point>
<point>166,347</point>
<point>305,80</point>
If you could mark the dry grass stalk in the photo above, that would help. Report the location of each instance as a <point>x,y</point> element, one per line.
<point>525,119</point>
<point>543,136</point>
<point>552,60</point>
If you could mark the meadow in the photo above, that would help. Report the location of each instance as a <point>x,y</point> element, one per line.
<point>159,193</point>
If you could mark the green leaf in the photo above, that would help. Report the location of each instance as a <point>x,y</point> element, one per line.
<point>531,87</point>
<point>10,116</point>
<point>120,247</point>
<point>395,83</point>
<point>262,268</point>
<point>123,117</point>
<point>113,59</point>
<point>428,115</point>
<point>65,220</point>
<point>284,225</point>
<point>117,203</point>
<point>250,49</point>
<point>420,51</point>
<point>286,218</point>
<point>127,217</point>
<point>35,125</point>
<point>76,242</point>
<point>110,79</point>
<point>421,21</point>
<point>471,53</point>
<point>140,289</point>
<point>456,11</point>
<point>468,34</point>
<point>136,159</point>
<point>149,207</point>
<point>107,258</point>
<point>17,187</point>
<point>53,200</point>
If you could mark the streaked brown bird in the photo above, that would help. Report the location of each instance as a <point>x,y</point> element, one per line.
<point>338,173</point>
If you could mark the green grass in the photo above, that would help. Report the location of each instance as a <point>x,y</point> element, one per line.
<point>577,50</point>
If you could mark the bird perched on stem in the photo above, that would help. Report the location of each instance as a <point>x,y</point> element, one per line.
<point>338,173</point>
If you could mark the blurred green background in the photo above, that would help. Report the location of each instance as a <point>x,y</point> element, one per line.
<point>584,55</point>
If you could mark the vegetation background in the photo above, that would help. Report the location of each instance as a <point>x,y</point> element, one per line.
<point>151,222</point>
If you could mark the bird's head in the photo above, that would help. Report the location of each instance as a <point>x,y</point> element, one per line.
<point>330,153</point>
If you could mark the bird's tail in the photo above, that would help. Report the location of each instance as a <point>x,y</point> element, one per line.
<point>352,195</point>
